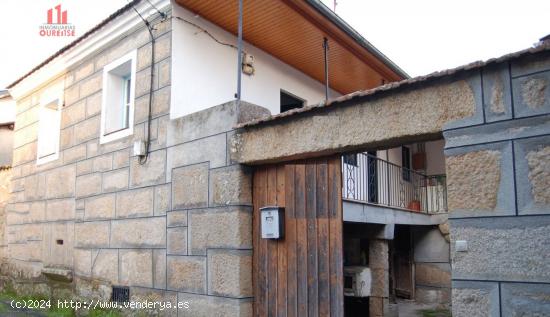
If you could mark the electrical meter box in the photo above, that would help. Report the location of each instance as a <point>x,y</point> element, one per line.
<point>272,222</point>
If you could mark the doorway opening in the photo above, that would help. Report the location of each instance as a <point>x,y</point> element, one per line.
<point>396,242</point>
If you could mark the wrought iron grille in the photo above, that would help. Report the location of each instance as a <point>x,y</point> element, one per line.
<point>120,294</point>
<point>370,179</point>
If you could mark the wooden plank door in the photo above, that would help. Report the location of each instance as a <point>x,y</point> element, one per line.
<point>302,273</point>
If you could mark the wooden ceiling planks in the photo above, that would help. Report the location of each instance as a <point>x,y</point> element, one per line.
<point>293,32</point>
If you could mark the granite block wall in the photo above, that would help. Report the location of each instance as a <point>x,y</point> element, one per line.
<point>177,228</point>
<point>498,189</point>
<point>92,211</point>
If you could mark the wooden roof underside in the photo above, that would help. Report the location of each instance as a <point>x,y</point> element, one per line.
<point>293,31</point>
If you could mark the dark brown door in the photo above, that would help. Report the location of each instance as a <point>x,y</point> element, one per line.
<point>300,274</point>
<point>403,263</point>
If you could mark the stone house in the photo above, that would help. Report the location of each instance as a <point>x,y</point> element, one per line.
<point>141,162</point>
<point>176,222</point>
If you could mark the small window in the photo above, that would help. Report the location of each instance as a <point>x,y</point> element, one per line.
<point>289,101</point>
<point>49,124</point>
<point>406,163</point>
<point>117,109</point>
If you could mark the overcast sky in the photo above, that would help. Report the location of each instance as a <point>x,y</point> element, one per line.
<point>424,36</point>
<point>22,46</point>
<point>420,36</point>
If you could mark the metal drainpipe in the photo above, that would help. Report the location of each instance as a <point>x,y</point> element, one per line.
<point>239,57</point>
<point>325,47</point>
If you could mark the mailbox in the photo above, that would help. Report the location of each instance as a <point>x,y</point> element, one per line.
<point>272,222</point>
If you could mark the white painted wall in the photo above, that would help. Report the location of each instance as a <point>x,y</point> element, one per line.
<point>393,155</point>
<point>7,110</point>
<point>435,159</point>
<point>204,72</point>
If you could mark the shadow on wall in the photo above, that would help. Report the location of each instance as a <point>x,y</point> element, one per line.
<point>432,265</point>
<point>5,178</point>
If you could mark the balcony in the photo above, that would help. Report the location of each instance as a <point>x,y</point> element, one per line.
<point>370,180</point>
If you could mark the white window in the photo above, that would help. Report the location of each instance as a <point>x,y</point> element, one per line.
<point>49,124</point>
<point>117,109</point>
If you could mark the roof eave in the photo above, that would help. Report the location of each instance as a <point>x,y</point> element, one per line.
<point>4,93</point>
<point>340,23</point>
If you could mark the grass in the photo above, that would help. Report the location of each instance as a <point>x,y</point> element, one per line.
<point>103,313</point>
<point>8,294</point>
<point>3,308</point>
<point>434,313</point>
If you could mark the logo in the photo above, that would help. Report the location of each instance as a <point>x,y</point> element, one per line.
<point>57,24</point>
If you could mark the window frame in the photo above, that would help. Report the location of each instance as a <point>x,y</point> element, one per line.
<point>127,100</point>
<point>45,101</point>
<point>129,130</point>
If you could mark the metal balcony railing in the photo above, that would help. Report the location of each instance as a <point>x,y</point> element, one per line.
<point>369,179</point>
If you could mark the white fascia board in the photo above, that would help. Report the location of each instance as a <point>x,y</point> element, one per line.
<point>86,47</point>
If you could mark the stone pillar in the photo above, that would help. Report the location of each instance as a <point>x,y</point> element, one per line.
<point>498,173</point>
<point>209,240</point>
<point>432,267</point>
<point>379,266</point>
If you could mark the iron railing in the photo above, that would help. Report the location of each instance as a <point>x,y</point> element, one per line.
<point>369,179</point>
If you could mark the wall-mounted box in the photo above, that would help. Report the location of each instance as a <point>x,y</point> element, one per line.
<point>139,148</point>
<point>461,246</point>
<point>419,161</point>
<point>272,222</point>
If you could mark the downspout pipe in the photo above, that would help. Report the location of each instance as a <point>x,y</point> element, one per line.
<point>325,47</point>
<point>143,159</point>
<point>239,57</point>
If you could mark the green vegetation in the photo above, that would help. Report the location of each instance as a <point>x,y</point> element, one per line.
<point>9,294</point>
<point>103,313</point>
<point>434,313</point>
